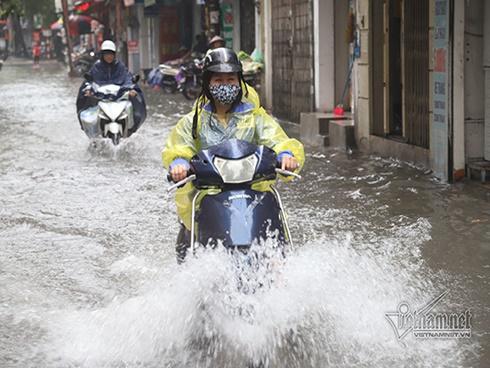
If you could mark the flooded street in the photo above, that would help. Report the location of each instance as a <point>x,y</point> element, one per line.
<point>88,276</point>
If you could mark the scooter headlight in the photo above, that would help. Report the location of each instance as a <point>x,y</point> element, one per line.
<point>123,116</point>
<point>103,115</point>
<point>236,171</point>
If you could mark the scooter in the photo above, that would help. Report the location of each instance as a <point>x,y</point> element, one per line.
<point>84,61</point>
<point>110,112</point>
<point>189,79</point>
<point>182,75</point>
<point>238,216</point>
<point>168,80</point>
<point>252,79</point>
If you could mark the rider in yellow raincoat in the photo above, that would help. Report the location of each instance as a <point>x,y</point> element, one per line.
<point>223,111</point>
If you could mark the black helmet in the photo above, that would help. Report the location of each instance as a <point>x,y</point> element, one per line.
<point>222,60</point>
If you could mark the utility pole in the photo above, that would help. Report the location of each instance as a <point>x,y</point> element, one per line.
<point>71,73</point>
<point>119,36</point>
<point>118,24</point>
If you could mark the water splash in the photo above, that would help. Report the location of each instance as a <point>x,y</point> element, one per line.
<point>325,306</point>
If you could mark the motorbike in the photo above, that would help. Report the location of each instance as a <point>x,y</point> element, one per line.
<point>189,79</point>
<point>252,79</point>
<point>83,62</point>
<point>243,221</point>
<point>168,81</point>
<point>110,112</point>
<point>246,216</point>
<point>182,75</point>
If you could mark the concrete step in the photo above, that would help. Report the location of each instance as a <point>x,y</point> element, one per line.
<point>314,127</point>
<point>341,134</point>
<point>480,168</point>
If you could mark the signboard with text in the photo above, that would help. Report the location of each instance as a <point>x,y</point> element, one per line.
<point>133,47</point>
<point>227,13</point>
<point>439,145</point>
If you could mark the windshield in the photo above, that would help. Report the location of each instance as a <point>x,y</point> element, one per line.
<point>108,89</point>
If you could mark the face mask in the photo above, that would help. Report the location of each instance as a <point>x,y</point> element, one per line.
<point>225,93</point>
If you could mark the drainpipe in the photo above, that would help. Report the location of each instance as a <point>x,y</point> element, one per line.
<point>486,68</point>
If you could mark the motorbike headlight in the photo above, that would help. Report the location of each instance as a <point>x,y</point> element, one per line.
<point>236,171</point>
<point>122,116</point>
<point>102,115</point>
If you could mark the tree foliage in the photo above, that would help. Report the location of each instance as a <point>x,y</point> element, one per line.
<point>28,8</point>
<point>8,7</point>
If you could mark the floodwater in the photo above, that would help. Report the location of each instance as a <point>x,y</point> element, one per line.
<point>88,276</point>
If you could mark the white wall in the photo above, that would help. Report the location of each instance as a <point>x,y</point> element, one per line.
<point>486,66</point>
<point>149,34</point>
<point>342,48</point>
<point>267,17</point>
<point>236,25</point>
<point>324,50</point>
<point>474,80</point>
<point>258,29</point>
<point>144,39</point>
<point>458,88</point>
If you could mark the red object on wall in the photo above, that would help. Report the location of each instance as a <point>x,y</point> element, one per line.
<point>83,7</point>
<point>440,61</point>
<point>133,46</point>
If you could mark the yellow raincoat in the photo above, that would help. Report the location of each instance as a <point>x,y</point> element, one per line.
<point>247,122</point>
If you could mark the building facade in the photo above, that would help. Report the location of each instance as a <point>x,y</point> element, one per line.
<point>422,92</point>
<point>413,74</point>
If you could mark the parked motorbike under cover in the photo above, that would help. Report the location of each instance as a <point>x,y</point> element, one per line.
<point>238,216</point>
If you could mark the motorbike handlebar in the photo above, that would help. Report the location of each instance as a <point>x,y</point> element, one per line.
<point>192,177</point>
<point>288,173</point>
<point>180,183</point>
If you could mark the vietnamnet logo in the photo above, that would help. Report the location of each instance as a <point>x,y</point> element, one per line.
<point>423,323</point>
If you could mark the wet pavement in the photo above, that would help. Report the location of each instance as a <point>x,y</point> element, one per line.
<point>88,276</point>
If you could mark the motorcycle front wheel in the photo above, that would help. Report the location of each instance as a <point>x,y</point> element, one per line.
<point>115,138</point>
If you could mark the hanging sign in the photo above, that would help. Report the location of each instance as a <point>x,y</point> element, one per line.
<point>227,10</point>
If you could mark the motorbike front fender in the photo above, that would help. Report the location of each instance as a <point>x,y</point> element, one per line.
<point>239,218</point>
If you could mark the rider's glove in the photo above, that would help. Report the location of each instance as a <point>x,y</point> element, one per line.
<point>179,161</point>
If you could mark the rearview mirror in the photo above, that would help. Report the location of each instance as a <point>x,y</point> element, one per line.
<point>136,78</point>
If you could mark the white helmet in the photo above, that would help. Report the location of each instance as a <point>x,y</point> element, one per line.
<point>108,45</point>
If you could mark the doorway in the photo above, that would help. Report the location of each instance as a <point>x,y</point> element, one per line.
<point>399,40</point>
<point>395,115</point>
